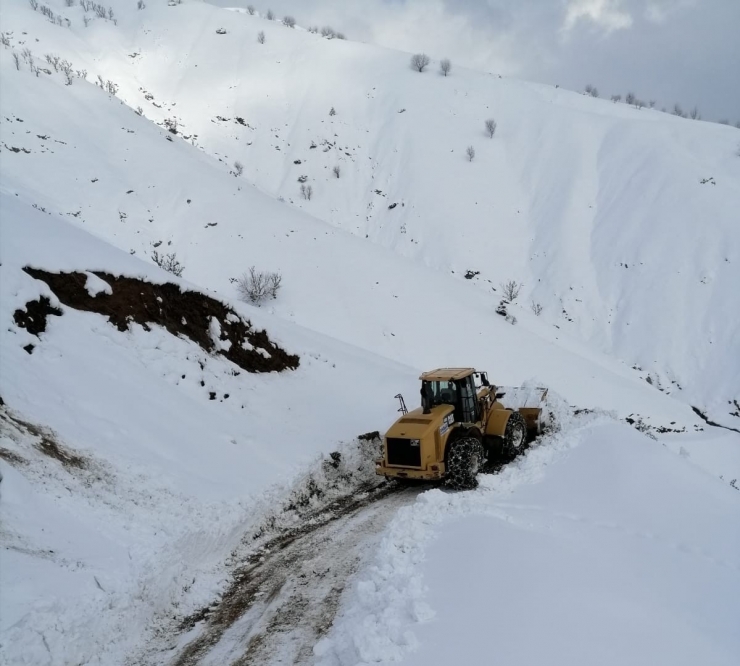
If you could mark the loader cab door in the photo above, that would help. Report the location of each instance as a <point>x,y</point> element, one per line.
<point>467,410</point>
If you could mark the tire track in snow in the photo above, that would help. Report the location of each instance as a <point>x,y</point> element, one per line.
<point>283,599</point>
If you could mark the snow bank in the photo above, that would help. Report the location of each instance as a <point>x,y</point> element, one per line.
<point>597,546</point>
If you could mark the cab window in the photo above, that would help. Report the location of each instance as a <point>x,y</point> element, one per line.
<point>443,392</point>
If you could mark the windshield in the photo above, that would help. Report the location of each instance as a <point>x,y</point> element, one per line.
<point>442,392</point>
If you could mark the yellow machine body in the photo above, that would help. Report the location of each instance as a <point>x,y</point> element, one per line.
<point>416,445</point>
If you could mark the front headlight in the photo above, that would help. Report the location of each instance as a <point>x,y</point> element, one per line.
<point>414,442</point>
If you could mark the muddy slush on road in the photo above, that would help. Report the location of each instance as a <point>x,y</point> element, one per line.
<point>285,591</point>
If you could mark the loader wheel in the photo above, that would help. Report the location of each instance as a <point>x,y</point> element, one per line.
<point>515,437</point>
<point>463,462</point>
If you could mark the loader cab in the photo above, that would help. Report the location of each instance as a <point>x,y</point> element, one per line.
<point>458,391</point>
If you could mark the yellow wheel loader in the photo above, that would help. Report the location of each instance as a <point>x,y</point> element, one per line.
<point>463,422</point>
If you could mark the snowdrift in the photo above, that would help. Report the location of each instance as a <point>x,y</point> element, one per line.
<point>596,546</point>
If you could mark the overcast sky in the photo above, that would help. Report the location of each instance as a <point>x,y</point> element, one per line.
<point>685,51</point>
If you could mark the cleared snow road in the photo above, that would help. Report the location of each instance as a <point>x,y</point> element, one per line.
<point>284,598</point>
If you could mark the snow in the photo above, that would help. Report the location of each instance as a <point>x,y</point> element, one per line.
<point>95,285</point>
<point>182,473</point>
<point>600,210</point>
<point>598,546</point>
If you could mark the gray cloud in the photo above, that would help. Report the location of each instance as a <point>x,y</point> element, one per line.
<point>685,51</point>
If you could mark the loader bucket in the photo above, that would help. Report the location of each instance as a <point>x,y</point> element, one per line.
<point>529,402</point>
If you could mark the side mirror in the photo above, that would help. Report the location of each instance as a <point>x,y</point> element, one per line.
<point>484,379</point>
<point>500,395</point>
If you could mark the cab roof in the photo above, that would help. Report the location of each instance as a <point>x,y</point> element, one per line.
<point>441,374</point>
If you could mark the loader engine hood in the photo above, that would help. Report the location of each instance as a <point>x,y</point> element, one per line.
<point>417,425</point>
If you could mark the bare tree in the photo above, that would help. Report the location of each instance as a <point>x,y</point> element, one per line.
<point>34,4</point>
<point>677,110</point>
<point>328,31</point>
<point>339,35</point>
<point>737,124</point>
<point>53,60</point>
<point>261,37</point>
<point>314,29</point>
<point>250,10</point>
<point>445,66</point>
<point>27,56</point>
<point>66,68</point>
<point>337,171</point>
<point>140,4</point>
<point>511,290</point>
<point>332,111</point>
<point>639,104</point>
<point>238,168</point>
<point>470,152</point>
<point>536,308</point>
<point>616,98</point>
<point>419,61</point>
<point>591,90</point>
<point>651,103</point>
<point>4,40</point>
<point>306,192</point>
<point>270,16</point>
<point>139,111</point>
<point>168,262</point>
<point>490,127</point>
<point>630,98</point>
<point>695,115</point>
<point>288,21</point>
<point>274,280</point>
<point>257,286</point>
<point>17,61</point>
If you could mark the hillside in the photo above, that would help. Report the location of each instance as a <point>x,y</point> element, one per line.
<point>597,208</point>
<point>157,431</point>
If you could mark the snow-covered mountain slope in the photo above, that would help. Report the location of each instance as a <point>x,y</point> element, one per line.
<point>134,461</point>
<point>167,451</point>
<point>170,465</point>
<point>621,223</point>
<point>167,194</point>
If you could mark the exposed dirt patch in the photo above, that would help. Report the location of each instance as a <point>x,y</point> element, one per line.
<point>50,447</point>
<point>33,318</point>
<point>47,443</point>
<point>213,326</point>
<point>708,421</point>
<point>12,458</point>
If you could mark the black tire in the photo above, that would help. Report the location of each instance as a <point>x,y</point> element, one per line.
<point>515,437</point>
<point>464,460</point>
